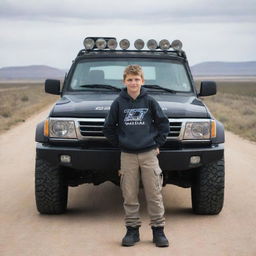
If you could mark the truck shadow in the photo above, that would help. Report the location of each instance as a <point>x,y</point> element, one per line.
<point>106,200</point>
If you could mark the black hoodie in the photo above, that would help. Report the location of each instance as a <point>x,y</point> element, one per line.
<point>136,125</point>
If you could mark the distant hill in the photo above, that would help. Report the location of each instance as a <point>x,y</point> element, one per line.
<point>30,72</point>
<point>224,69</point>
<point>41,72</point>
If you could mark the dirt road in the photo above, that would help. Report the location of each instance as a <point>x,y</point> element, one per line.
<point>93,224</point>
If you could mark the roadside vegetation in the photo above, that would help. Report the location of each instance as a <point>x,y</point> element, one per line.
<point>20,100</point>
<point>234,105</point>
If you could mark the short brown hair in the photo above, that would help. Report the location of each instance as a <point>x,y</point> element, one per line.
<point>133,70</point>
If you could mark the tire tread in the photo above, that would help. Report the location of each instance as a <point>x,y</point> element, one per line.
<point>208,188</point>
<point>51,191</point>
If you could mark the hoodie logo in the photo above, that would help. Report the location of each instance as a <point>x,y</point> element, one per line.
<point>135,116</point>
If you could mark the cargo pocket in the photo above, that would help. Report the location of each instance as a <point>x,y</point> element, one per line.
<point>159,177</point>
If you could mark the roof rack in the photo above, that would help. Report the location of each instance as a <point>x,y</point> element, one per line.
<point>83,52</point>
<point>102,43</point>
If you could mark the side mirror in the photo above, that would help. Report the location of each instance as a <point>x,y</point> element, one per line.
<point>207,88</point>
<point>52,86</point>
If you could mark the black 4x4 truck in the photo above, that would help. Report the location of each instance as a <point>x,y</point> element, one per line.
<point>71,148</point>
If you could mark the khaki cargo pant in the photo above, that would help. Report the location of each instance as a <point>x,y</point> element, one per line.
<point>145,166</point>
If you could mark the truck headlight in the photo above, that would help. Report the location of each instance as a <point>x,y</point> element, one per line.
<point>62,129</point>
<point>197,130</point>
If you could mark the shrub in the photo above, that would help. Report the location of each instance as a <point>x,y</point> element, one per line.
<point>24,98</point>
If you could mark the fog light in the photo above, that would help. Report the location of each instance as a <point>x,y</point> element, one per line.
<point>66,159</point>
<point>112,44</point>
<point>195,159</point>
<point>152,44</point>
<point>164,44</point>
<point>101,43</point>
<point>139,44</point>
<point>176,45</point>
<point>88,43</point>
<point>124,44</point>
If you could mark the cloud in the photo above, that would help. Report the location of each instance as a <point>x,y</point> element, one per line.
<point>140,11</point>
<point>52,33</point>
<point>55,44</point>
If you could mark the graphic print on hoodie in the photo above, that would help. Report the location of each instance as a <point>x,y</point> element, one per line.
<point>135,116</point>
<point>136,125</point>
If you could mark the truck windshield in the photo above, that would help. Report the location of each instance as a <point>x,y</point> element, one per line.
<point>168,74</point>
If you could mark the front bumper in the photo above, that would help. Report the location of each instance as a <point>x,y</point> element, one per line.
<point>109,159</point>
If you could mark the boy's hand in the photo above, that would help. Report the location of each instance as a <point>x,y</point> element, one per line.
<point>157,151</point>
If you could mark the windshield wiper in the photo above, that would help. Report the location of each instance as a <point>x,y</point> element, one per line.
<point>158,87</point>
<point>105,86</point>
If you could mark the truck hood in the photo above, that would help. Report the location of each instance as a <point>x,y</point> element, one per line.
<point>98,105</point>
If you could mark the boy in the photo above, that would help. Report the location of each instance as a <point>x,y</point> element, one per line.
<point>137,124</point>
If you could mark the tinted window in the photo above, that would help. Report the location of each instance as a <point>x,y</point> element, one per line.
<point>169,74</point>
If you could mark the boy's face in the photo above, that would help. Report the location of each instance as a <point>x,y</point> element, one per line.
<point>133,83</point>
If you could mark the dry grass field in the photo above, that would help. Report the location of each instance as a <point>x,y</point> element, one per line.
<point>19,100</point>
<point>234,105</point>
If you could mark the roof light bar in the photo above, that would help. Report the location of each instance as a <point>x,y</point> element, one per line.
<point>111,43</point>
<point>124,44</point>
<point>139,44</point>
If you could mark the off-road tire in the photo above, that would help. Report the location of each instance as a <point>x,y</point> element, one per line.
<point>51,190</point>
<point>207,191</point>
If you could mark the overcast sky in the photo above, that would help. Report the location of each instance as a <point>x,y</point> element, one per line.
<point>51,32</point>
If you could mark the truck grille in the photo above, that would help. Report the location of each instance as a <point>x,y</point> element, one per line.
<point>175,128</point>
<point>92,128</point>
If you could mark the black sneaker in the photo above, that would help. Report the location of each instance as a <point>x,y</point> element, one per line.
<point>159,237</point>
<point>132,236</point>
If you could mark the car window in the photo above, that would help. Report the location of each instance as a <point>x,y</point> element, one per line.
<point>169,74</point>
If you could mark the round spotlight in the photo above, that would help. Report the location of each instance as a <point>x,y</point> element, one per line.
<point>101,43</point>
<point>139,44</point>
<point>176,45</point>
<point>112,44</point>
<point>164,44</point>
<point>124,44</point>
<point>152,44</point>
<point>88,43</point>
